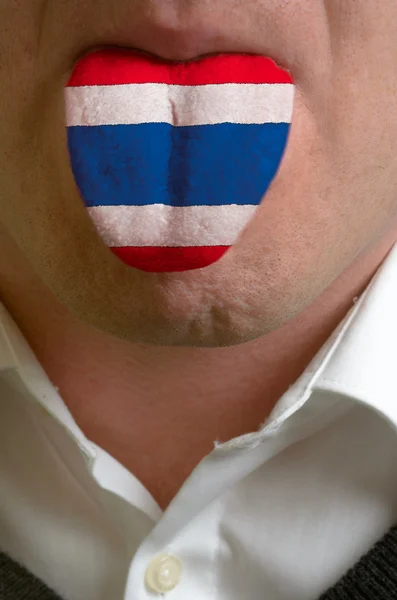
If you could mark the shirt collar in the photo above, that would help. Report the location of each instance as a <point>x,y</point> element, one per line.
<point>22,370</point>
<point>364,364</point>
<point>358,361</point>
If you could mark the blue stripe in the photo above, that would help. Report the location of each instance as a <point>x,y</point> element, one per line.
<point>157,163</point>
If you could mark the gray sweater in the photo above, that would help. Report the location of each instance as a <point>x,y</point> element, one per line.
<point>373,577</point>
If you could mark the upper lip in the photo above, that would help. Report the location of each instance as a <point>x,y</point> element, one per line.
<point>187,39</point>
<point>178,56</point>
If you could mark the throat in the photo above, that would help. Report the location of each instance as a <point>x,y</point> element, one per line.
<point>162,451</point>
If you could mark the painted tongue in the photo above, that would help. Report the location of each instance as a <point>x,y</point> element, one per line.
<point>172,159</point>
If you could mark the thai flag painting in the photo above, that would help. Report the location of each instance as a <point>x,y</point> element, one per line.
<point>172,159</point>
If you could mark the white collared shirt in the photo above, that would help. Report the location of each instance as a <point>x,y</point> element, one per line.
<point>279,514</point>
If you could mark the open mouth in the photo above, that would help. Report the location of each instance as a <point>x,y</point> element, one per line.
<point>172,159</point>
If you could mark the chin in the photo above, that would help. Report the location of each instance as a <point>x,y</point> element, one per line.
<point>200,308</point>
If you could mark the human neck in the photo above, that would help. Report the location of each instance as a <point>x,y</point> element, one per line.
<point>133,399</point>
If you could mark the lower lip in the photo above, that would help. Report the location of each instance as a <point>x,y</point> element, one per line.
<point>163,165</point>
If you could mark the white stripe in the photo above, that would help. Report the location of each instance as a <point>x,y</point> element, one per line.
<point>160,225</point>
<point>178,104</point>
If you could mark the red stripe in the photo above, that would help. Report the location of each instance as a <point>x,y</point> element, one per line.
<point>115,66</point>
<point>161,260</point>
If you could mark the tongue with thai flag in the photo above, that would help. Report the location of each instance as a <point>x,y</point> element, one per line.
<point>172,159</point>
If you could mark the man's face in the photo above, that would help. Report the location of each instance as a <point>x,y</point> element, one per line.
<point>334,197</point>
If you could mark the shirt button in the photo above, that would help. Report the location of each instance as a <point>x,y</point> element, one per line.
<point>163,573</point>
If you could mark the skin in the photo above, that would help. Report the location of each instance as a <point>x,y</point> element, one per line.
<point>222,343</point>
